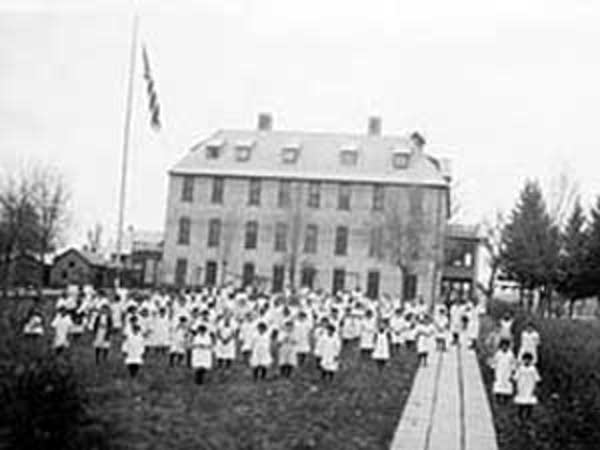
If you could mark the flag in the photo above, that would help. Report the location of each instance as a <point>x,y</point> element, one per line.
<point>153,105</point>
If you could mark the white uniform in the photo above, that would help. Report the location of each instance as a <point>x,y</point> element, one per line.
<point>397,326</point>
<point>530,340</point>
<point>261,350</point>
<point>61,325</point>
<point>504,364</point>
<point>302,336</point>
<point>225,346</point>
<point>382,346</point>
<point>330,352</point>
<point>526,378</point>
<point>160,334</point>
<point>425,338</point>
<point>368,329</point>
<point>134,347</point>
<point>202,351</point>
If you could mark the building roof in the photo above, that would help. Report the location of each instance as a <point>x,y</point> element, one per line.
<point>93,258</point>
<point>461,231</point>
<point>318,159</point>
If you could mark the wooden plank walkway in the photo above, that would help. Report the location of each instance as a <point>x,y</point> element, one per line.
<point>447,408</point>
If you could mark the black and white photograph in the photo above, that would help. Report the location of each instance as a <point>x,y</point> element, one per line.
<point>299,225</point>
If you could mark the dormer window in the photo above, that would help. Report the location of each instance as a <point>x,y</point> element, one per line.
<point>290,154</point>
<point>243,149</point>
<point>214,148</point>
<point>400,160</point>
<point>349,156</point>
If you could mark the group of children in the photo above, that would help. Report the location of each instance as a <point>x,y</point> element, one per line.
<point>515,374</point>
<point>213,327</point>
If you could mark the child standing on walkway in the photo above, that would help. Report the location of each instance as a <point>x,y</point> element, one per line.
<point>503,364</point>
<point>381,353</point>
<point>526,377</point>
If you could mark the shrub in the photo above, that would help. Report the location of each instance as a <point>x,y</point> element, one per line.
<point>42,403</point>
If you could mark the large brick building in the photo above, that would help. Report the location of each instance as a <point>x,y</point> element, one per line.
<point>327,210</point>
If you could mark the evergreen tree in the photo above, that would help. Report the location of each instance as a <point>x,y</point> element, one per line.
<point>573,280</point>
<point>593,251</point>
<point>530,242</point>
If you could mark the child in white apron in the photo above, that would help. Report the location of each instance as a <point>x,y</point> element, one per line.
<point>102,329</point>
<point>225,344</point>
<point>62,324</point>
<point>367,333</point>
<point>381,353</point>
<point>178,341</point>
<point>134,347</point>
<point>504,364</point>
<point>202,352</point>
<point>526,378</point>
<point>260,357</point>
<point>287,355</point>
<point>302,330</point>
<point>330,353</point>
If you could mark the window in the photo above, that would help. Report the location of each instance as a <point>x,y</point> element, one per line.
<point>247,274</point>
<point>344,193</point>
<point>187,189</point>
<point>284,197</point>
<point>183,237</point>
<point>213,148</point>
<point>251,235</point>
<point>314,194</point>
<point>409,287</point>
<point>214,232</point>
<point>307,277</point>
<point>278,277</point>
<point>180,271</point>
<point>254,192</point>
<point>281,230</point>
<point>218,186</point>
<point>341,241</point>
<point>373,284</point>
<point>348,157</point>
<point>289,155</point>
<point>311,237</point>
<point>400,160</point>
<point>376,243</point>
<point>65,274</point>
<point>210,275</point>
<point>71,264</point>
<point>378,197</point>
<point>339,280</point>
<point>243,151</point>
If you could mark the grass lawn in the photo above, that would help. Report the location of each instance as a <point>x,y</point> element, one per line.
<point>164,409</point>
<point>568,414</point>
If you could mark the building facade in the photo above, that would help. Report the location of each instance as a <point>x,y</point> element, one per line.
<point>325,210</point>
<point>81,267</point>
<point>461,261</point>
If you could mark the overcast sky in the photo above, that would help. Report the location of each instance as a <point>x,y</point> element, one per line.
<point>507,90</point>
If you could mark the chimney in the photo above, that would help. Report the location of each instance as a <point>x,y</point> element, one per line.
<point>417,142</point>
<point>265,122</point>
<point>374,126</point>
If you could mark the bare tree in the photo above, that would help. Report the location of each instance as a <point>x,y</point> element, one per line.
<point>492,242</point>
<point>408,233</point>
<point>18,222</point>
<point>50,199</point>
<point>94,237</point>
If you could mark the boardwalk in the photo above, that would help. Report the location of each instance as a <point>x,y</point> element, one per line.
<point>448,407</point>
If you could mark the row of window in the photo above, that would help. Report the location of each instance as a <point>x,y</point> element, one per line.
<point>282,235</point>
<point>284,195</point>
<point>248,276</point>
<point>290,153</point>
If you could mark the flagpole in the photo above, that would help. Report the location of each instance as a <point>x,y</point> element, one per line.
<point>125,151</point>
